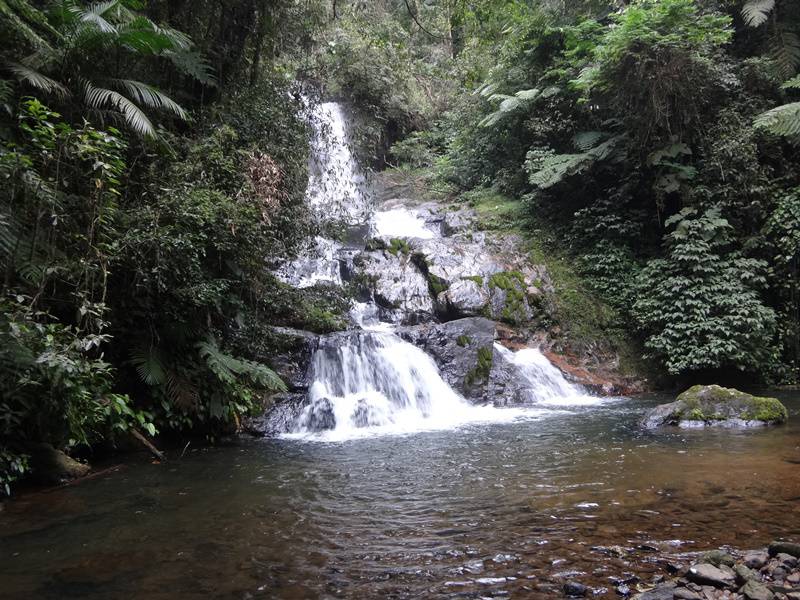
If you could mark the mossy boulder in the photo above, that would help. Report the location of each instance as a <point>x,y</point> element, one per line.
<point>713,405</point>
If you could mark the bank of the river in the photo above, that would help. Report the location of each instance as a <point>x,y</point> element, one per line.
<point>516,509</point>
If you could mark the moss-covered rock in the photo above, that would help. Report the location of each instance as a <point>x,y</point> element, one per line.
<point>713,405</point>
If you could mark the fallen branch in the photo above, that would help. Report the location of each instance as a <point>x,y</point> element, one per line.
<point>147,444</point>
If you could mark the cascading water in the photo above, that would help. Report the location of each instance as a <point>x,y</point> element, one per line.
<point>370,381</point>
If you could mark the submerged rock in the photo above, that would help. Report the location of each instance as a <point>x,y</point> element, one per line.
<point>712,405</point>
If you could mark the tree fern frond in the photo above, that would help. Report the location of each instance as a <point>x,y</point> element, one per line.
<point>587,139</point>
<point>756,12</point>
<point>97,97</point>
<point>786,50</point>
<point>193,64</point>
<point>151,97</point>
<point>792,84</point>
<point>36,79</point>
<point>782,120</point>
<point>227,368</point>
<point>181,391</point>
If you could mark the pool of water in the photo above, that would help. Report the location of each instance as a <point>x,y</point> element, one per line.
<point>487,510</point>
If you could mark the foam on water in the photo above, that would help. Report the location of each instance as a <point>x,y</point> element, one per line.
<point>400,223</point>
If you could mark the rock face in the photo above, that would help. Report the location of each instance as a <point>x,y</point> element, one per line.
<point>712,405</point>
<point>463,350</point>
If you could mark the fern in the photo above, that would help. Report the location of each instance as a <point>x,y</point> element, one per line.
<point>792,84</point>
<point>509,104</point>
<point>756,12</point>
<point>228,369</point>
<point>786,50</point>
<point>193,64</point>
<point>547,169</point>
<point>782,120</point>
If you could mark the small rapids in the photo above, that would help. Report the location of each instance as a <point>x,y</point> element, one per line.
<point>374,383</point>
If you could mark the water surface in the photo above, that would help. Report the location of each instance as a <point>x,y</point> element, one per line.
<point>485,510</point>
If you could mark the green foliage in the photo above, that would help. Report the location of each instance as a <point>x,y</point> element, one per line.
<point>700,306</point>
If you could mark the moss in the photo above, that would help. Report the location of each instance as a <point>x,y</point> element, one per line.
<point>478,279</point>
<point>495,211</point>
<point>436,285</point>
<point>513,284</point>
<point>463,341</point>
<point>766,409</point>
<point>716,403</point>
<point>482,369</point>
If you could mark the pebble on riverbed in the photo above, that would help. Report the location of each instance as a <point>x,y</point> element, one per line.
<point>769,574</point>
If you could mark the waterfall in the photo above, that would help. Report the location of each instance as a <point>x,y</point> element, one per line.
<point>370,381</point>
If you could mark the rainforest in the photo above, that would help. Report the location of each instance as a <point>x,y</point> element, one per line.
<point>400,298</point>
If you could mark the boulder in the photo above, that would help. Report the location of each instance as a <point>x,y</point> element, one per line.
<point>279,418</point>
<point>462,349</point>
<point>397,282</point>
<point>465,298</point>
<point>791,548</point>
<point>706,574</point>
<point>753,590</point>
<point>756,560</point>
<point>712,405</point>
<point>290,361</point>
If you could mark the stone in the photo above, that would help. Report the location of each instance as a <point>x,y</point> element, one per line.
<point>787,560</point>
<point>706,574</point>
<point>793,578</point>
<point>664,591</point>
<point>465,298</point>
<point>712,405</point>
<point>717,558</point>
<point>756,560</point>
<point>744,573</point>
<point>397,283</point>
<point>753,590</point>
<point>792,548</point>
<point>462,349</point>
<point>574,589</point>
<point>683,593</point>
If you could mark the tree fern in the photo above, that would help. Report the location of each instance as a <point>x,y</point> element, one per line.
<point>228,368</point>
<point>786,50</point>
<point>547,169</point>
<point>756,12</point>
<point>782,120</point>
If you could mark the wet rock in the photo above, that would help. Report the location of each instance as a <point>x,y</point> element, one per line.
<point>465,298</point>
<point>51,466</point>
<point>457,221</point>
<point>279,418</point>
<point>779,547</point>
<point>754,590</point>
<point>717,558</point>
<point>319,416</point>
<point>745,574</point>
<point>706,574</point>
<point>396,282</point>
<point>463,350</point>
<point>712,405</point>
<point>574,589</point>
<point>787,560</point>
<point>683,593</point>
<point>756,560</point>
<point>290,361</point>
<point>623,590</point>
<point>664,591</point>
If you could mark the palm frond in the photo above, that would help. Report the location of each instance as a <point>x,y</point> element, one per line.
<point>36,79</point>
<point>149,365</point>
<point>151,97</point>
<point>97,97</point>
<point>782,120</point>
<point>756,12</point>
<point>96,14</point>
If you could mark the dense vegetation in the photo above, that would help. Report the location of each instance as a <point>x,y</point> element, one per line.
<point>153,161</point>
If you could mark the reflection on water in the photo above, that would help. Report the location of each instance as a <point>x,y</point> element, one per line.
<point>488,510</point>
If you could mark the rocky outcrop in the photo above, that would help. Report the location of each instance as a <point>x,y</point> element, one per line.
<point>712,405</point>
<point>462,349</point>
<point>290,361</point>
<point>396,282</point>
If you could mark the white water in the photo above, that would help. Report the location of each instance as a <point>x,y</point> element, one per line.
<point>374,383</point>
<point>400,223</point>
<point>336,185</point>
<point>371,382</point>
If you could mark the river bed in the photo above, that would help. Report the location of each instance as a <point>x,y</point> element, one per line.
<point>485,510</point>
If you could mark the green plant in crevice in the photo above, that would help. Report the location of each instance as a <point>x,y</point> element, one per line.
<point>483,367</point>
